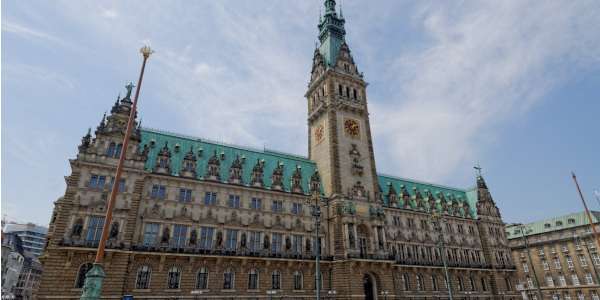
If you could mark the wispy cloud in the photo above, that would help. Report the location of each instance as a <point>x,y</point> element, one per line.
<point>29,33</point>
<point>483,63</point>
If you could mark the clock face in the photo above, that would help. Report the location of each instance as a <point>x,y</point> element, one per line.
<point>319,132</point>
<point>352,128</point>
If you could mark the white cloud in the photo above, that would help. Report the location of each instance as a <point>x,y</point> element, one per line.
<point>484,62</point>
<point>30,33</point>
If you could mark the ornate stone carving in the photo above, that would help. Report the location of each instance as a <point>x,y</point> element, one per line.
<point>357,168</point>
<point>188,167</point>
<point>257,178</point>
<point>163,160</point>
<point>213,169</point>
<point>296,184</point>
<point>235,171</point>
<point>277,177</point>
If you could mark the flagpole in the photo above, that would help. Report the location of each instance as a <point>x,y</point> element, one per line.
<point>92,287</point>
<point>587,211</point>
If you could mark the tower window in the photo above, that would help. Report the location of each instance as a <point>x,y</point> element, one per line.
<point>340,90</point>
<point>354,91</point>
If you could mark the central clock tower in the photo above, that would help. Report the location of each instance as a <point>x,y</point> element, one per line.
<point>338,120</point>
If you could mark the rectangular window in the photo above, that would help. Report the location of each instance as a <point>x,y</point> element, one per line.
<point>582,261</point>
<point>255,243</point>
<point>297,208</point>
<point>210,198</point>
<point>206,237</point>
<point>525,268</point>
<point>277,206</point>
<point>562,281</point>
<point>121,184</point>
<point>256,203</point>
<point>158,192</point>
<point>97,182</point>
<point>557,263</point>
<point>575,279</point>
<point>151,233</point>
<point>276,241</point>
<point>185,195</point>
<point>234,201</point>
<point>589,279</point>
<point>570,262</point>
<point>545,265</point>
<point>94,230</point>
<point>297,244</point>
<point>549,281</point>
<point>179,236</point>
<point>231,242</point>
<point>596,259</point>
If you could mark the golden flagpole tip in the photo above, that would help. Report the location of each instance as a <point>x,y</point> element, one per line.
<point>146,51</point>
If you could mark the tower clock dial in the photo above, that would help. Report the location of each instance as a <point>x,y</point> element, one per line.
<point>352,128</point>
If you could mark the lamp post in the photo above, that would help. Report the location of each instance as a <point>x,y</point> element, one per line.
<point>331,294</point>
<point>522,228</point>
<point>385,293</point>
<point>94,278</point>
<point>316,213</point>
<point>441,245</point>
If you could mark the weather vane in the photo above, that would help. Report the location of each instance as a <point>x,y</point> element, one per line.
<point>478,168</point>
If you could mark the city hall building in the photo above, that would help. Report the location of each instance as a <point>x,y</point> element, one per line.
<point>196,219</point>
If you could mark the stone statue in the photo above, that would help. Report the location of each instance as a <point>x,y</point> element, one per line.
<point>114,230</point>
<point>77,228</point>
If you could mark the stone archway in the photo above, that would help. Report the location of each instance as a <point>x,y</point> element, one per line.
<point>369,287</point>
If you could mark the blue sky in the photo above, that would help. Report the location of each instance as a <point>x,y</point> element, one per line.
<point>512,85</point>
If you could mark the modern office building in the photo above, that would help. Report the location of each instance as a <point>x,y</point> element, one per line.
<point>557,258</point>
<point>33,237</point>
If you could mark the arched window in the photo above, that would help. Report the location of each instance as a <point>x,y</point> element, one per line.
<point>472,283</point>
<point>83,269</point>
<point>253,279</point>
<point>142,280</point>
<point>483,284</point>
<point>461,284</point>
<point>202,279</point>
<point>228,279</point>
<point>276,280</point>
<point>298,281</point>
<point>173,278</point>
<point>406,281</point>
<point>110,152</point>
<point>434,283</point>
<point>340,89</point>
<point>320,281</point>
<point>420,283</point>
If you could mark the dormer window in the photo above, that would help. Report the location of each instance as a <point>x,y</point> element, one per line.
<point>547,225</point>
<point>163,160</point>
<point>559,223</point>
<point>571,221</point>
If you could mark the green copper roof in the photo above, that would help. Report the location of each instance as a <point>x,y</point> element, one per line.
<point>207,148</point>
<point>552,224</point>
<point>468,196</point>
<point>331,33</point>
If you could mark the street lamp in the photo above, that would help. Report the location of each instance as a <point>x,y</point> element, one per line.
<point>331,294</point>
<point>316,213</point>
<point>271,293</point>
<point>92,287</point>
<point>441,245</point>
<point>522,229</point>
<point>385,293</point>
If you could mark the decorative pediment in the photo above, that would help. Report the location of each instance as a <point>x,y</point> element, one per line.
<point>188,167</point>
<point>392,195</point>
<point>163,160</point>
<point>213,168</point>
<point>256,179</point>
<point>296,184</point>
<point>277,177</point>
<point>235,171</point>
<point>315,182</point>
